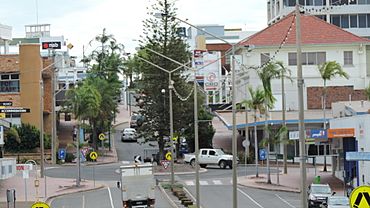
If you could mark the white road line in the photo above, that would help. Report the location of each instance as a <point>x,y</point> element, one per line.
<point>254,201</point>
<point>285,201</point>
<point>83,201</point>
<point>110,197</point>
<point>189,183</point>
<point>203,183</point>
<point>217,182</point>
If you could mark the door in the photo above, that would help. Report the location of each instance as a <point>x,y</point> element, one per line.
<point>203,157</point>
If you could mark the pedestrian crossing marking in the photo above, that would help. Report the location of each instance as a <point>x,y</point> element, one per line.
<point>189,183</point>
<point>203,183</point>
<point>217,182</point>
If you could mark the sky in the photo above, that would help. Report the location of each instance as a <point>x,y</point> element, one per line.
<point>79,21</point>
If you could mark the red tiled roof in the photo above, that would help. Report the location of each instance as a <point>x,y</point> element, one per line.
<point>313,31</point>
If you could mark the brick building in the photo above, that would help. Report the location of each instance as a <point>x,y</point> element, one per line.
<point>20,84</point>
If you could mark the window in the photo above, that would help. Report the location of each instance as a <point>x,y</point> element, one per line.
<point>368,20</point>
<point>309,2</point>
<point>323,17</point>
<point>211,152</point>
<point>265,57</point>
<point>353,21</point>
<point>10,169</point>
<point>320,2</point>
<point>362,20</point>
<point>321,57</point>
<point>311,58</point>
<point>292,59</point>
<point>9,83</point>
<point>335,20</point>
<point>344,23</point>
<point>348,58</point>
<point>204,152</point>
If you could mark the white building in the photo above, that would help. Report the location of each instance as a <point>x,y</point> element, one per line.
<point>321,42</point>
<point>5,37</point>
<point>351,15</point>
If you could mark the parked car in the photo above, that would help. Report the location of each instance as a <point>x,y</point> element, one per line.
<point>318,194</point>
<point>136,120</point>
<point>337,202</point>
<point>210,157</point>
<point>128,134</point>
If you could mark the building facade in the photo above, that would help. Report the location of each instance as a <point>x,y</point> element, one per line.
<point>350,15</point>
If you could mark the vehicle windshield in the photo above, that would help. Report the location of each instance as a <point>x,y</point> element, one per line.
<point>338,201</point>
<point>321,189</point>
<point>219,152</point>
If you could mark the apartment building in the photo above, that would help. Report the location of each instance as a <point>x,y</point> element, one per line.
<point>350,15</point>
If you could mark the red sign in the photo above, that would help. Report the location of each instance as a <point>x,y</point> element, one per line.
<point>23,167</point>
<point>165,163</point>
<point>340,133</point>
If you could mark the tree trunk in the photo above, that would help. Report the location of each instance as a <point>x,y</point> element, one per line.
<point>267,136</point>
<point>324,113</point>
<point>285,147</point>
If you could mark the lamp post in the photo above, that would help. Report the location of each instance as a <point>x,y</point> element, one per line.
<point>234,142</point>
<point>170,87</point>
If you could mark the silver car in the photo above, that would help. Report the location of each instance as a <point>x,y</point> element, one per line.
<point>338,202</point>
<point>128,134</point>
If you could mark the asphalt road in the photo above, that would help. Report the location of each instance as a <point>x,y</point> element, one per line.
<point>215,185</point>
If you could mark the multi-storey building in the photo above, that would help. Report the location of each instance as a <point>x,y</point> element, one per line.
<point>350,15</point>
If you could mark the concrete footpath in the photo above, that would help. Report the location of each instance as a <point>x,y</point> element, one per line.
<point>291,181</point>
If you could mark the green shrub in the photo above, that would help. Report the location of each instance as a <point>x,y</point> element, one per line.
<point>69,157</point>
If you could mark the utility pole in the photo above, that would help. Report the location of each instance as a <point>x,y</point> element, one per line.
<point>170,87</point>
<point>300,82</point>
<point>42,168</point>
<point>196,138</point>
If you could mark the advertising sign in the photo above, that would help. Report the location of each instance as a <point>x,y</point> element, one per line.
<point>318,134</point>
<point>51,45</point>
<point>341,132</point>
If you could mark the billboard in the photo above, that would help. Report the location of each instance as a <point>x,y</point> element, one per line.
<point>209,65</point>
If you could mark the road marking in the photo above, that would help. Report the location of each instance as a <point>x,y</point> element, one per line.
<point>189,183</point>
<point>254,201</point>
<point>125,162</point>
<point>110,197</point>
<point>285,201</point>
<point>83,201</point>
<point>203,183</point>
<point>217,182</point>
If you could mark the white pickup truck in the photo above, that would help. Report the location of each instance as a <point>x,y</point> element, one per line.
<point>210,157</point>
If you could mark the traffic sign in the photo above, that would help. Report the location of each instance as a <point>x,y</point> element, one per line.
<point>102,137</point>
<point>246,143</point>
<point>169,156</point>
<point>93,155</point>
<point>360,197</point>
<point>62,154</point>
<point>165,163</point>
<point>137,159</point>
<point>40,205</point>
<point>263,154</point>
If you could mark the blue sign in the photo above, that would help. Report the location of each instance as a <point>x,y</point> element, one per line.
<point>62,154</point>
<point>82,135</point>
<point>318,134</point>
<point>263,154</point>
<point>358,156</point>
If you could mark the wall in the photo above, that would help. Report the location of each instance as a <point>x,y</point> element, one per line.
<point>334,94</point>
<point>29,67</point>
<point>10,63</point>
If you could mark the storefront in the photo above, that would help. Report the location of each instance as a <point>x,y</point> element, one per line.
<point>348,134</point>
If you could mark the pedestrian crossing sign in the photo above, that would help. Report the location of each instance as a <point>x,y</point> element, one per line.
<point>40,205</point>
<point>93,155</point>
<point>360,197</point>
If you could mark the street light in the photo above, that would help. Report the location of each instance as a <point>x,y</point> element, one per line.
<point>170,87</point>
<point>300,83</point>
<point>234,142</point>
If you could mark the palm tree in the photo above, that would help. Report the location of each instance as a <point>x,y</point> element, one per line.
<point>329,70</point>
<point>255,103</point>
<point>367,92</point>
<point>284,73</point>
<point>266,74</point>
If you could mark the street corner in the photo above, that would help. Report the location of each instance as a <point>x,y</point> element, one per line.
<point>65,189</point>
<point>261,183</point>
